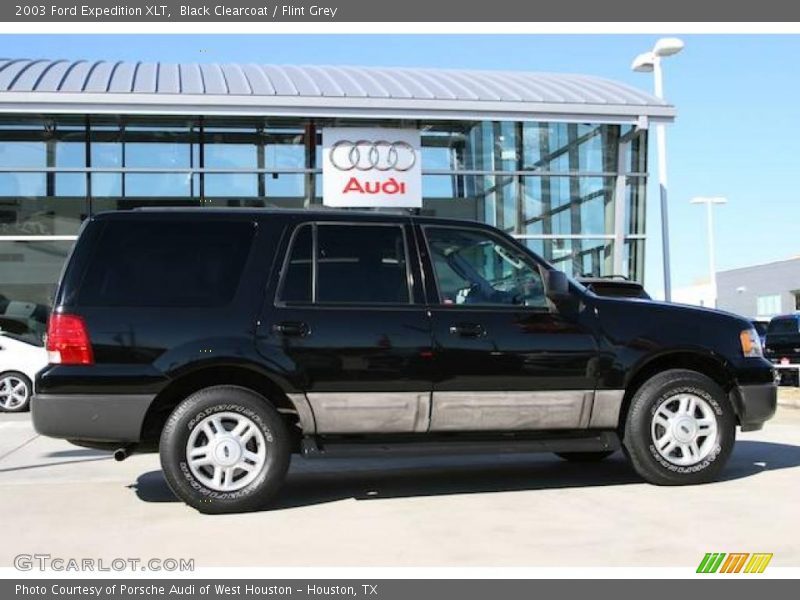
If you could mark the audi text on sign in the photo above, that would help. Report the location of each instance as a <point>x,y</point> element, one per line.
<point>371,167</point>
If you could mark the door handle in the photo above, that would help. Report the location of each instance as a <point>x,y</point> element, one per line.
<point>468,329</point>
<point>292,328</point>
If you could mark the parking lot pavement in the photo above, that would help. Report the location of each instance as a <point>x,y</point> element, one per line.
<point>532,510</point>
<point>789,397</point>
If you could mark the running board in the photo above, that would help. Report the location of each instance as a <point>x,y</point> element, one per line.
<point>430,444</point>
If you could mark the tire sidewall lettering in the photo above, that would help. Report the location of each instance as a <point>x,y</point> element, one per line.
<point>701,466</point>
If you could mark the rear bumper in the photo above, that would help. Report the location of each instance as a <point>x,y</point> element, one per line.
<point>100,418</point>
<point>755,404</point>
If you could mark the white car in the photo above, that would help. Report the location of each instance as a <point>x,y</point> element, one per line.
<point>19,363</point>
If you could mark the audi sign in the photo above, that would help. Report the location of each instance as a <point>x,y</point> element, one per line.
<point>371,167</point>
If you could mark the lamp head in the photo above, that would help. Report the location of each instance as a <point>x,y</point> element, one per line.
<point>668,46</point>
<point>644,63</point>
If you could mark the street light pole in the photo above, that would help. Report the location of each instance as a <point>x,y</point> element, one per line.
<point>647,62</point>
<point>712,268</point>
<point>661,151</point>
<point>710,201</point>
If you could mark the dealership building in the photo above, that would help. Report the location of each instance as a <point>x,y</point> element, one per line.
<point>557,160</point>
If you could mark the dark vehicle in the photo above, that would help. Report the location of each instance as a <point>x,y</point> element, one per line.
<point>615,286</point>
<point>231,339</point>
<point>782,345</point>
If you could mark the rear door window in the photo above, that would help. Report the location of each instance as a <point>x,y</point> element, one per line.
<point>166,264</point>
<point>361,264</point>
<point>353,264</point>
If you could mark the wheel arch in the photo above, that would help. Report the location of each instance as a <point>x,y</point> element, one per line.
<point>186,384</point>
<point>707,364</point>
<point>4,373</point>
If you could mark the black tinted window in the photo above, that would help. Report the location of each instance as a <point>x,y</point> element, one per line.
<point>297,279</point>
<point>172,263</point>
<point>361,264</point>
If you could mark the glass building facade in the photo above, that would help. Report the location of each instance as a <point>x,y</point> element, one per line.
<point>573,192</point>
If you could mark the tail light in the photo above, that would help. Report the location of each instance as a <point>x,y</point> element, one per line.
<point>68,340</point>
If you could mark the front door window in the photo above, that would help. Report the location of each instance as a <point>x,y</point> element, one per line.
<point>476,268</point>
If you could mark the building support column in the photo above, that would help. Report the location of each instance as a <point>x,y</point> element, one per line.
<point>623,155</point>
<point>310,140</point>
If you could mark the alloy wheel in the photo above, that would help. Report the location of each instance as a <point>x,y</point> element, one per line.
<point>684,429</point>
<point>14,392</point>
<point>226,451</point>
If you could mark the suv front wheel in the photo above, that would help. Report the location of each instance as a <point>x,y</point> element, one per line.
<point>225,449</point>
<point>680,429</point>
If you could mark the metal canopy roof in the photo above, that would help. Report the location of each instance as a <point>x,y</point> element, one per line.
<point>63,86</point>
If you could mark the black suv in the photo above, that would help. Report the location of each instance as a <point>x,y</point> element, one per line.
<point>230,339</point>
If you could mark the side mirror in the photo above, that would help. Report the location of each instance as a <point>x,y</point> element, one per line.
<point>557,286</point>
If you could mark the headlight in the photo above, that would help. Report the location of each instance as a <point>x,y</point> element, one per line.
<point>751,343</point>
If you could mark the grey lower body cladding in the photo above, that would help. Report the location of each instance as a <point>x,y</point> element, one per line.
<point>119,418</point>
<point>91,417</point>
<point>418,412</point>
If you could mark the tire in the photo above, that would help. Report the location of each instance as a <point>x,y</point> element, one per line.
<point>227,472</point>
<point>584,457</point>
<point>16,390</point>
<point>693,444</point>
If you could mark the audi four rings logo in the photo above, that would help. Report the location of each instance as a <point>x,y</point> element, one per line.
<point>364,155</point>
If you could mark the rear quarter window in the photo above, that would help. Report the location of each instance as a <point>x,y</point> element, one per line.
<point>166,264</point>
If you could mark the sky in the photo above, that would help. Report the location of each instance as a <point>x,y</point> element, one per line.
<point>737,133</point>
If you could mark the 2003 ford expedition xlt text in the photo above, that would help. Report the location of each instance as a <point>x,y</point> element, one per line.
<point>230,339</point>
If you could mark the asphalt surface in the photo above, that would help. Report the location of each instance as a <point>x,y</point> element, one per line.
<point>532,510</point>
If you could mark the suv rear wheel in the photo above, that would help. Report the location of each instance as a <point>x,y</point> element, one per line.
<point>225,449</point>
<point>680,429</point>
